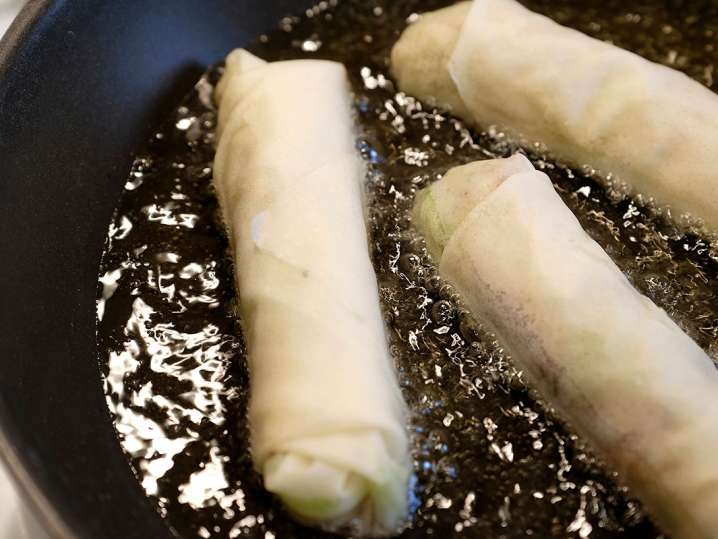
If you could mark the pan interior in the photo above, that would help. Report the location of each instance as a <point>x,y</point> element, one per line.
<point>490,458</point>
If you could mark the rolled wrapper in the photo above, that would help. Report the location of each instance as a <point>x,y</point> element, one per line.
<point>590,102</point>
<point>442,207</point>
<point>327,419</point>
<point>612,363</point>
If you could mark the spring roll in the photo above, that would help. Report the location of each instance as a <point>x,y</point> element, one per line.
<point>652,128</point>
<point>611,363</point>
<point>326,414</point>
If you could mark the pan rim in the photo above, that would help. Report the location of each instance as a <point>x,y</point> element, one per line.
<point>30,493</point>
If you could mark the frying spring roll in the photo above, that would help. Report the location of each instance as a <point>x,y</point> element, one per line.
<point>605,357</point>
<point>326,414</point>
<point>589,102</point>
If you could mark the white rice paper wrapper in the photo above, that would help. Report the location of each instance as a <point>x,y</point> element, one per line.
<point>610,361</point>
<point>494,62</point>
<point>326,415</point>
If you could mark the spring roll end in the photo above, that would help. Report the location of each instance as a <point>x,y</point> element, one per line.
<point>317,492</point>
<point>422,71</point>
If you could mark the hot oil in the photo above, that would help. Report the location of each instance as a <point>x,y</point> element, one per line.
<point>490,459</point>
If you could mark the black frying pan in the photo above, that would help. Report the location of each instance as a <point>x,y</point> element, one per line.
<point>81,83</point>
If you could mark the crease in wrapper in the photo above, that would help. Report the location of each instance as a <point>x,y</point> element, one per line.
<point>613,364</point>
<point>646,128</point>
<point>327,420</point>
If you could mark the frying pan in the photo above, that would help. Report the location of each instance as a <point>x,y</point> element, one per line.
<point>81,84</point>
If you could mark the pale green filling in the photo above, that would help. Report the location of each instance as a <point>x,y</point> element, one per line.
<point>429,223</point>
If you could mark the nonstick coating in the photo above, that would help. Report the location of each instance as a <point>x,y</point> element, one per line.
<point>81,84</point>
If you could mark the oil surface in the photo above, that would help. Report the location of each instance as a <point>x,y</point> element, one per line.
<point>490,459</point>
